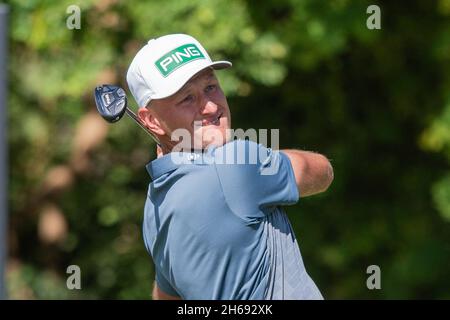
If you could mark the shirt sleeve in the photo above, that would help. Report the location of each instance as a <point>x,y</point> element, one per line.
<point>254,178</point>
<point>164,284</point>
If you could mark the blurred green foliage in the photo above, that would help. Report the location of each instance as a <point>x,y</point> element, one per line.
<point>376,102</point>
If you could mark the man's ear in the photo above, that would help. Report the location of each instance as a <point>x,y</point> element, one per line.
<point>148,117</point>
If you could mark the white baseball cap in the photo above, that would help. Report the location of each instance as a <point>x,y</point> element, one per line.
<point>165,64</point>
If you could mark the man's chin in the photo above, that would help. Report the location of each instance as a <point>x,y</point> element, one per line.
<point>213,137</point>
<point>212,144</point>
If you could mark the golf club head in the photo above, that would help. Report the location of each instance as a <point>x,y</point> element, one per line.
<point>111,102</point>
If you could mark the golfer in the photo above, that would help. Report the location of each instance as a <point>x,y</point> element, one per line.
<point>213,221</point>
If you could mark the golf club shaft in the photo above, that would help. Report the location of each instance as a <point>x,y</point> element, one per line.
<point>133,116</point>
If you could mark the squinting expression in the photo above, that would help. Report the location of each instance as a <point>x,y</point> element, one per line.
<point>200,107</point>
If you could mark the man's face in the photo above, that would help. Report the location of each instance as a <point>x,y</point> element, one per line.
<point>200,107</point>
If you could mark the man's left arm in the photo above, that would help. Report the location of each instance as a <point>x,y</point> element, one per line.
<point>313,172</point>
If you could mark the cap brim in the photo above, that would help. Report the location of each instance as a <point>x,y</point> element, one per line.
<point>216,65</point>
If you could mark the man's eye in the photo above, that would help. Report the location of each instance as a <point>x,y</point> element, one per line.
<point>187,99</point>
<point>211,88</point>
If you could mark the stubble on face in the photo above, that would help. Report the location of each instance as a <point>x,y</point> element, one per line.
<point>199,109</point>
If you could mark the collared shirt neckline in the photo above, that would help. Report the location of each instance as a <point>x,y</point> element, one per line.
<point>165,164</point>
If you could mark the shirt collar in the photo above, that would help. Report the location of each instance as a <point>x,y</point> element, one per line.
<point>173,160</point>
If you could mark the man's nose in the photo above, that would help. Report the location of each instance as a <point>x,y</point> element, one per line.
<point>208,106</point>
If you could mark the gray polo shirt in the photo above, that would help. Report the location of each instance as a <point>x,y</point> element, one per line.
<point>214,225</point>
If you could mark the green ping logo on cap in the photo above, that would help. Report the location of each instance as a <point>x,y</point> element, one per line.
<point>178,57</point>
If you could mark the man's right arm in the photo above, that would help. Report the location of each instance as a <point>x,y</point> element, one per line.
<point>313,172</point>
<point>158,294</point>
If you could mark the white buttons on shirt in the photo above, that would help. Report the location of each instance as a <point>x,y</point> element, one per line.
<point>193,156</point>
